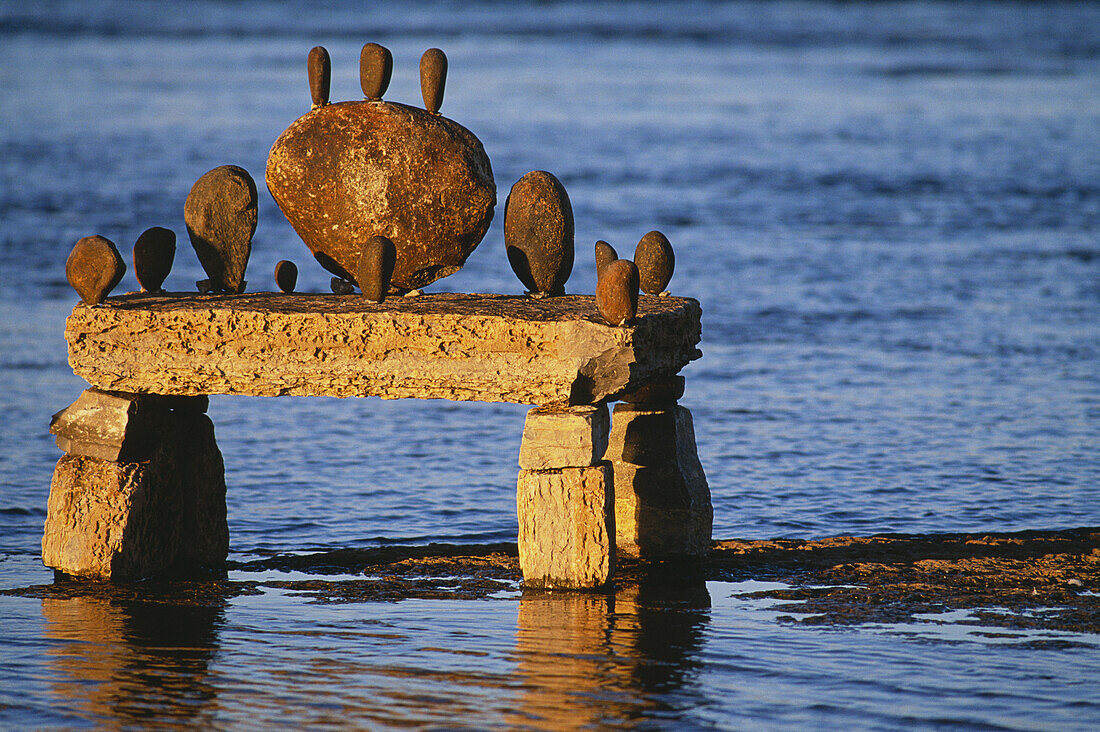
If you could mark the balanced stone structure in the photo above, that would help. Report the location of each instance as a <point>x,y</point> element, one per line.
<point>141,488</point>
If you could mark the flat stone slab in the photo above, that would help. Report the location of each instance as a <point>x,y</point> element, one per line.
<point>466,347</point>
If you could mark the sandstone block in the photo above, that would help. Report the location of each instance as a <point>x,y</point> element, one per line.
<point>566,527</point>
<point>124,520</point>
<point>564,437</point>
<point>662,500</point>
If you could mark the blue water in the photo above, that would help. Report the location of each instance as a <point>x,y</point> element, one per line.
<point>890,214</point>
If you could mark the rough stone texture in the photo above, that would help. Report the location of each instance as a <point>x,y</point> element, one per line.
<point>664,394</point>
<point>348,171</point>
<point>656,261</point>
<point>433,78</point>
<point>566,527</point>
<point>436,346</point>
<point>319,68</point>
<point>662,501</point>
<point>375,70</point>
<point>286,275</point>
<point>128,520</point>
<point>107,425</point>
<point>538,232</point>
<point>617,292</point>
<point>220,213</point>
<point>154,252</point>
<point>94,268</point>
<point>557,437</point>
<point>376,268</point>
<point>605,254</point>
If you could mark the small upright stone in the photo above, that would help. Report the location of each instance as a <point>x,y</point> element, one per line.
<point>94,268</point>
<point>375,69</point>
<point>376,268</point>
<point>154,252</point>
<point>538,233</point>
<point>320,75</point>
<point>340,286</point>
<point>605,254</point>
<point>220,213</point>
<point>655,261</point>
<point>617,292</point>
<point>286,275</point>
<point>433,77</point>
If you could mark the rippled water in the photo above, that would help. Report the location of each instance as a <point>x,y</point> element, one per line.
<point>890,215</point>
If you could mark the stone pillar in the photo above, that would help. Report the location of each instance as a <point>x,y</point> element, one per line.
<point>662,501</point>
<point>564,499</point>
<point>141,488</point>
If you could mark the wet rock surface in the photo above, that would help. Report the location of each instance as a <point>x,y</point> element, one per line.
<point>154,252</point>
<point>221,214</point>
<point>94,268</point>
<point>538,232</point>
<point>352,170</point>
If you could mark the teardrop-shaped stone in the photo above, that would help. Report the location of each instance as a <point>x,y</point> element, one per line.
<point>220,213</point>
<point>605,254</point>
<point>655,261</point>
<point>433,77</point>
<point>154,252</point>
<point>375,69</point>
<point>286,275</point>
<point>320,75</point>
<point>538,232</point>
<point>376,268</point>
<point>94,268</point>
<point>617,292</point>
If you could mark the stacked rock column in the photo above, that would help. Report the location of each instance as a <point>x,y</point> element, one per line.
<point>141,488</point>
<point>564,498</point>
<point>662,501</point>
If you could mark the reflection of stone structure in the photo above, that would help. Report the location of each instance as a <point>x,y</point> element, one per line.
<point>554,352</point>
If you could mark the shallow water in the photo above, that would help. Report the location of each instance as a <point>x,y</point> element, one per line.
<point>889,213</point>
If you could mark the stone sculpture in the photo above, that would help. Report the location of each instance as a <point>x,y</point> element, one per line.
<point>319,67</point>
<point>345,172</point>
<point>286,275</point>
<point>605,254</point>
<point>220,214</point>
<point>655,261</point>
<point>538,233</point>
<point>617,292</point>
<point>376,268</point>
<point>94,268</point>
<point>375,69</point>
<point>154,252</point>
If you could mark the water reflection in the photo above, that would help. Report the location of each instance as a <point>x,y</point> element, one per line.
<point>123,662</point>
<point>596,660</point>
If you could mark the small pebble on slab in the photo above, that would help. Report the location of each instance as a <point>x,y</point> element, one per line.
<point>375,69</point>
<point>220,213</point>
<point>94,268</point>
<point>319,67</point>
<point>154,252</point>
<point>433,78</point>
<point>286,275</point>
<point>617,292</point>
<point>656,261</point>
<point>538,232</point>
<point>605,254</point>
<point>376,268</point>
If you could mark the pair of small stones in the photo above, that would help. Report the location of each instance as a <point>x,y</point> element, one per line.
<point>375,70</point>
<point>618,280</point>
<point>95,267</point>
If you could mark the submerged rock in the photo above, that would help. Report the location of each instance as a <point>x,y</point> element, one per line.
<point>286,275</point>
<point>376,268</point>
<point>349,171</point>
<point>605,254</point>
<point>154,252</point>
<point>94,268</point>
<point>538,232</point>
<point>655,260</point>
<point>617,292</point>
<point>220,213</point>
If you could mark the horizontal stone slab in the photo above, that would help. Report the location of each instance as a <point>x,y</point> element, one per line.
<point>495,348</point>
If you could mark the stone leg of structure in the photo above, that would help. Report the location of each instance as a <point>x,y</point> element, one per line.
<point>662,501</point>
<point>564,499</point>
<point>140,490</point>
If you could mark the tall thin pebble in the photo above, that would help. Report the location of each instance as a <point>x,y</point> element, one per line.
<point>376,265</point>
<point>656,261</point>
<point>617,292</point>
<point>375,69</point>
<point>605,254</point>
<point>94,268</point>
<point>320,75</point>
<point>154,252</point>
<point>433,78</point>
